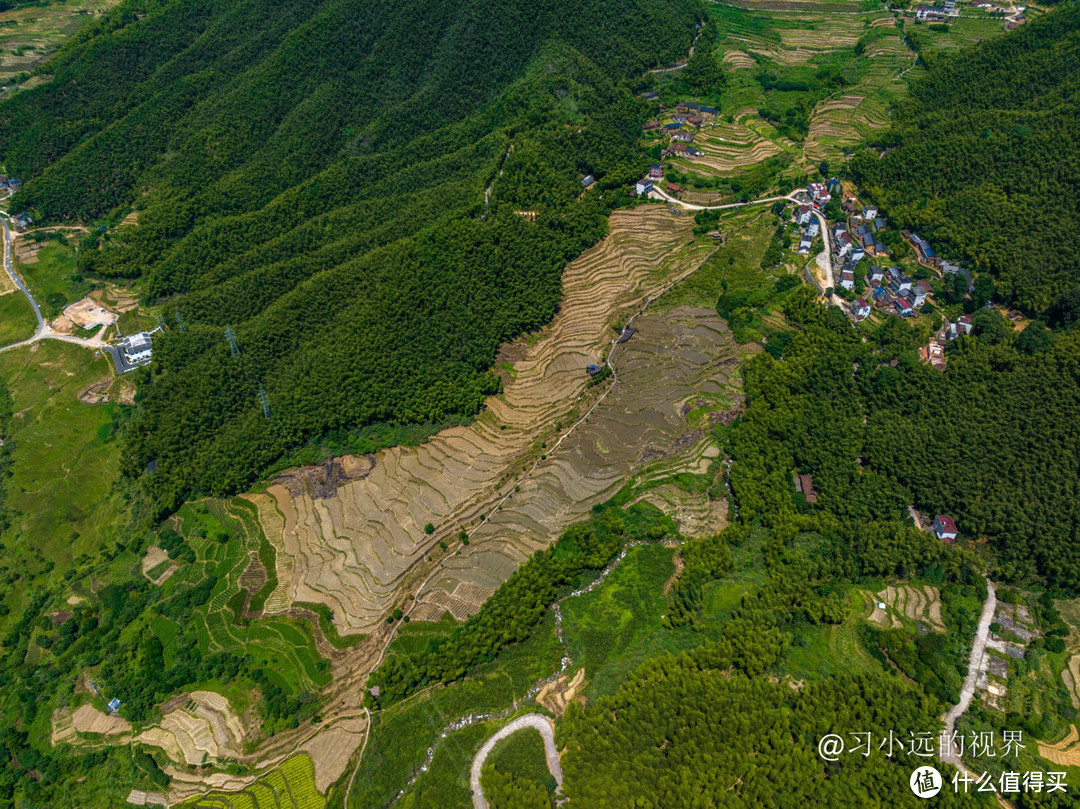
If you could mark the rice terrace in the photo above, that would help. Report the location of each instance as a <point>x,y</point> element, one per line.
<point>483,405</point>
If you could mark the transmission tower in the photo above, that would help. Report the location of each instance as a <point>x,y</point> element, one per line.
<point>230,335</point>
<point>265,402</point>
<point>180,322</point>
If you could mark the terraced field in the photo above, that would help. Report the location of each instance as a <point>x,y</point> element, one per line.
<point>918,603</point>
<point>292,786</point>
<point>283,647</point>
<point>674,358</point>
<point>202,729</point>
<point>355,551</point>
<point>29,34</point>
<point>795,43</point>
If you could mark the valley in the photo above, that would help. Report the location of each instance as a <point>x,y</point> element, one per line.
<point>593,430</point>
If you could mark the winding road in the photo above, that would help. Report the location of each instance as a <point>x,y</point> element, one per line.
<point>43,331</point>
<point>532,720</point>
<point>825,266</point>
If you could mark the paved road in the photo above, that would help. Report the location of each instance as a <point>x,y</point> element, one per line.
<point>978,650</point>
<point>43,330</point>
<point>825,265</point>
<point>533,720</point>
<point>18,281</point>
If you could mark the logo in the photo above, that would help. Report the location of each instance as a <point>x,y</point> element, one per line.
<point>925,782</point>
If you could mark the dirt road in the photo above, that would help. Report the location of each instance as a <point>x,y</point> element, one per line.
<point>975,664</point>
<point>533,720</point>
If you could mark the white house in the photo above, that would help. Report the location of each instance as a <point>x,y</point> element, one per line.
<point>803,214</point>
<point>136,348</point>
<point>860,309</point>
<point>920,289</point>
<point>644,186</point>
<point>812,229</point>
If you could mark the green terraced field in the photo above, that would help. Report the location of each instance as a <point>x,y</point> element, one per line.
<point>291,786</point>
<point>224,539</point>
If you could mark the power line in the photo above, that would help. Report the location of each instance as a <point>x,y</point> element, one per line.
<point>230,335</point>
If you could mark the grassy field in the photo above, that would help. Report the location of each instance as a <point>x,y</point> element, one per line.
<point>826,650</point>
<point>51,279</point>
<point>17,320</point>
<point>614,628</point>
<point>65,456</point>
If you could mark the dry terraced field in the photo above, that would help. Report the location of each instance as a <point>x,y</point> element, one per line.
<point>355,551</point>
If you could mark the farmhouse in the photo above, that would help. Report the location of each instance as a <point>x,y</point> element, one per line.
<point>588,180</point>
<point>922,248</point>
<point>920,289</point>
<point>804,485</point>
<point>819,193</point>
<point>651,125</point>
<point>682,137</point>
<point>656,172</point>
<point>803,214</point>
<point>136,348</point>
<point>644,186</point>
<point>673,189</point>
<point>847,279</point>
<point>860,309</point>
<point>944,528</point>
<point>903,307</point>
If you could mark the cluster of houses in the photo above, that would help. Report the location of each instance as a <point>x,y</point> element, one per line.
<point>893,289</point>
<point>9,183</point>
<point>22,222</point>
<point>933,13</point>
<point>680,131</point>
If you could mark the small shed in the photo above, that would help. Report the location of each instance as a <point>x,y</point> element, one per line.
<point>804,484</point>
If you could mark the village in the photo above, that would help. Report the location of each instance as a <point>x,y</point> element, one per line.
<point>873,269</point>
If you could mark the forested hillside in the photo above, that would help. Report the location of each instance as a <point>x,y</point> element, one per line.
<point>313,175</point>
<point>987,159</point>
<point>992,442</point>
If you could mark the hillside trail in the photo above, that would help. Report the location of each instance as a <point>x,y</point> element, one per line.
<point>967,691</point>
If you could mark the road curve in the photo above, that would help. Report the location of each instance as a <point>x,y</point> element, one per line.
<point>967,691</point>
<point>43,330</point>
<point>532,720</point>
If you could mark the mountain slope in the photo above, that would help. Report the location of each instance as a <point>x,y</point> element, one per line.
<point>987,158</point>
<point>314,175</point>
